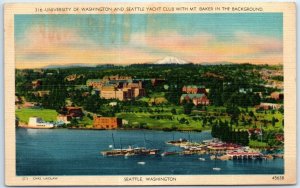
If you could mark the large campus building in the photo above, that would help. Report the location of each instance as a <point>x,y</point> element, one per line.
<point>118,87</point>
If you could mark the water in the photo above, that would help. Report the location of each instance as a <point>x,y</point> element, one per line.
<point>77,152</point>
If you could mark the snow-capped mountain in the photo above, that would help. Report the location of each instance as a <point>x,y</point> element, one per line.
<point>171,60</point>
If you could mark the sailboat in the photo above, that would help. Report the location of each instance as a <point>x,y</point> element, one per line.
<point>177,142</point>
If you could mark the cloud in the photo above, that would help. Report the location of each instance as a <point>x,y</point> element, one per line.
<point>262,44</point>
<point>42,46</point>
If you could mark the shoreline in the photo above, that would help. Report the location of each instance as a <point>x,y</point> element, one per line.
<point>24,126</point>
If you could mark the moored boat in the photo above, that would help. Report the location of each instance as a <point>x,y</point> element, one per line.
<point>167,153</point>
<point>37,123</point>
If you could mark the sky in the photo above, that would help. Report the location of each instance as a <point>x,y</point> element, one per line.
<point>44,40</point>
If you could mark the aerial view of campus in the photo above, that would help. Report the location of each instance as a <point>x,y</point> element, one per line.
<point>149,94</point>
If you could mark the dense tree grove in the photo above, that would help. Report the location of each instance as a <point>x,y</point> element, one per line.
<point>226,133</point>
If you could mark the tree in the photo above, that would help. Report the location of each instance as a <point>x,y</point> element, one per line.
<point>234,112</point>
<point>74,122</point>
<point>173,111</point>
<point>273,121</point>
<point>187,108</point>
<point>251,114</point>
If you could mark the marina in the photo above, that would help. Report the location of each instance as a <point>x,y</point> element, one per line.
<point>82,154</point>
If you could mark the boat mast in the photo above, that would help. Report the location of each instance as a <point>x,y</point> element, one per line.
<point>112,135</point>
<point>144,140</point>
<point>120,144</point>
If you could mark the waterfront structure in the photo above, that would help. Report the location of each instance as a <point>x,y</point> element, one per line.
<point>66,119</point>
<point>38,123</point>
<point>74,112</point>
<point>101,122</point>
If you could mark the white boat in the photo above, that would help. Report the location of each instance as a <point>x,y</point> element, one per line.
<point>141,163</point>
<point>38,123</point>
<point>201,159</point>
<point>216,169</point>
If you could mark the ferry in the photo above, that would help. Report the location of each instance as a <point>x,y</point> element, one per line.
<point>37,123</point>
<point>130,152</point>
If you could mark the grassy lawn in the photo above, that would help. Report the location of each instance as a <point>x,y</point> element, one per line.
<point>255,143</point>
<point>144,118</point>
<point>45,114</point>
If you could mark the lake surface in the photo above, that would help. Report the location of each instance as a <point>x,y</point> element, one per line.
<point>77,152</point>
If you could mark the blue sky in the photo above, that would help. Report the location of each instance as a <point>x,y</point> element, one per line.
<point>255,37</point>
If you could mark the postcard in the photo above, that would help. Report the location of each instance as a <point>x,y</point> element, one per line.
<point>150,94</point>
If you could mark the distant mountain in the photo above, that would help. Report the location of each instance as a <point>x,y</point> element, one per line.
<point>171,60</point>
<point>67,66</point>
<point>216,63</point>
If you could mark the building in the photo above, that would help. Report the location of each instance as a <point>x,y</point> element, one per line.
<point>122,91</point>
<point>36,83</point>
<point>157,81</point>
<point>41,93</point>
<point>279,137</point>
<point>193,89</point>
<point>30,104</point>
<point>95,83</point>
<point>113,104</point>
<point>73,77</point>
<point>74,112</point>
<point>254,131</point>
<point>136,87</point>
<point>116,77</point>
<point>66,119</point>
<point>277,95</point>
<point>197,99</point>
<point>107,122</point>
<point>268,106</point>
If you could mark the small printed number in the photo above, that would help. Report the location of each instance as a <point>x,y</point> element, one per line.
<point>278,178</point>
